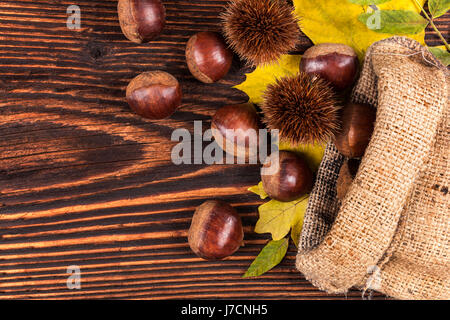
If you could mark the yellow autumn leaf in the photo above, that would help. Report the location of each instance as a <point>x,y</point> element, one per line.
<point>297,222</point>
<point>401,5</point>
<point>277,217</point>
<point>257,81</point>
<point>337,21</point>
<point>259,190</point>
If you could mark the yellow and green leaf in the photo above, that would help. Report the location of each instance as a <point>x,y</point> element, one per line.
<point>269,257</point>
<point>438,7</point>
<point>394,21</point>
<point>368,2</point>
<point>277,218</point>
<point>442,54</point>
<point>337,21</point>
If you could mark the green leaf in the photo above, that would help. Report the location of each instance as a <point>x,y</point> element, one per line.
<point>438,7</point>
<point>259,190</point>
<point>368,2</point>
<point>270,256</point>
<point>394,21</point>
<point>442,54</point>
<point>277,217</point>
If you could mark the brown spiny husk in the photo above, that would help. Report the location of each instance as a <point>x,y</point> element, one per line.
<point>260,31</point>
<point>304,108</point>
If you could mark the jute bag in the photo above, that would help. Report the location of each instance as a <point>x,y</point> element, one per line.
<point>391,232</point>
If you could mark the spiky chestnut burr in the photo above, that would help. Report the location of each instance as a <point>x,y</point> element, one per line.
<point>304,108</point>
<point>260,31</point>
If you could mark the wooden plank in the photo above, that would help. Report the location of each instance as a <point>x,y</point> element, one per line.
<point>84,181</point>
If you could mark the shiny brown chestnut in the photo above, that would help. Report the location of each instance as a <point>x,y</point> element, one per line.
<point>154,95</point>
<point>208,57</point>
<point>236,129</point>
<point>288,180</point>
<point>216,230</point>
<point>357,123</point>
<point>141,20</point>
<point>346,176</point>
<point>337,63</point>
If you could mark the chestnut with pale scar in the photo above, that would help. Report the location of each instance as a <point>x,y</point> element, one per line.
<point>141,20</point>
<point>154,95</point>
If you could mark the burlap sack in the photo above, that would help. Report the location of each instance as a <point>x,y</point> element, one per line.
<point>391,232</point>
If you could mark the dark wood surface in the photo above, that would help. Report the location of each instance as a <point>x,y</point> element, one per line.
<point>84,181</point>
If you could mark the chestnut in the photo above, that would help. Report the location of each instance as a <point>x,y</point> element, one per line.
<point>141,20</point>
<point>208,57</point>
<point>216,230</point>
<point>154,94</point>
<point>346,176</point>
<point>290,179</point>
<point>357,123</point>
<point>336,63</point>
<point>237,127</point>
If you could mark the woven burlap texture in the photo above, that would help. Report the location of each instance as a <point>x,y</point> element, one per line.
<point>391,232</point>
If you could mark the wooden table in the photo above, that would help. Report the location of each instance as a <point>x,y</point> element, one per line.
<point>85,182</point>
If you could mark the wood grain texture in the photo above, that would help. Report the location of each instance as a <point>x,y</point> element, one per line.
<point>84,181</point>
